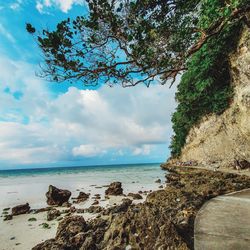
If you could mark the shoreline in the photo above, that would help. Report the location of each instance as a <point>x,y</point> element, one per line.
<point>163,218</point>
<point>29,233</point>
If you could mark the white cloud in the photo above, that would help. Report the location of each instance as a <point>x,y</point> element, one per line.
<point>143,150</point>
<point>4,32</point>
<point>39,7</point>
<point>39,128</point>
<point>16,5</point>
<point>88,150</point>
<point>63,5</point>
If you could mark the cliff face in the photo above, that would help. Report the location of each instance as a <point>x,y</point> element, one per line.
<point>225,138</point>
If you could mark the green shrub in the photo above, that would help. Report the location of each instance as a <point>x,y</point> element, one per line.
<point>205,87</point>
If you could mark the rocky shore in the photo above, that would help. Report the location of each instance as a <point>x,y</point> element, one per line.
<point>164,221</point>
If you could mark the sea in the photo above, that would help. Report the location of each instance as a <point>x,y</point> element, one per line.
<point>30,185</point>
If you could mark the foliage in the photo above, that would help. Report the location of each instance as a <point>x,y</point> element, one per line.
<point>32,219</point>
<point>205,87</point>
<point>131,41</point>
<point>140,41</point>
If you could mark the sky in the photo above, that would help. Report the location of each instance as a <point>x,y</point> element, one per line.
<point>45,124</point>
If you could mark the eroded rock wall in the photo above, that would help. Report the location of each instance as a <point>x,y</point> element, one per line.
<point>222,139</point>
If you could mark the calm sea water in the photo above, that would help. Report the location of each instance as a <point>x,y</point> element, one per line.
<point>80,169</point>
<point>30,185</point>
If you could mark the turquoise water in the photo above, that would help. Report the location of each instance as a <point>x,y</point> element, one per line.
<point>78,169</point>
<point>30,185</point>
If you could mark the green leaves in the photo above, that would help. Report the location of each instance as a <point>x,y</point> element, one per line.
<point>30,28</point>
<point>205,87</point>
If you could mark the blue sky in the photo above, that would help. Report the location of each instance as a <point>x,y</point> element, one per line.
<point>45,124</point>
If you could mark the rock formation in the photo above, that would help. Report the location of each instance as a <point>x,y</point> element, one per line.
<point>223,139</point>
<point>164,221</point>
<point>56,196</point>
<point>81,197</point>
<point>21,209</point>
<point>53,214</point>
<point>135,196</point>
<point>115,188</point>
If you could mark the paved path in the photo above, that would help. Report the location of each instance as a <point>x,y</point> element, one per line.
<point>223,223</point>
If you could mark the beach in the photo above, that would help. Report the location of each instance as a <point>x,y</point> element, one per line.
<point>18,187</point>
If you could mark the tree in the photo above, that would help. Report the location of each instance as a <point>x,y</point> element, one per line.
<point>133,41</point>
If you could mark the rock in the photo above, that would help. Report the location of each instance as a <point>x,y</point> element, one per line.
<point>97,196</point>
<point>56,196</point>
<point>48,245</point>
<point>53,214</point>
<point>118,208</point>
<point>144,228</point>
<point>135,196</point>
<point>161,186</point>
<point>158,181</point>
<point>88,244</point>
<point>67,230</point>
<point>21,209</point>
<point>66,204</point>
<point>72,209</point>
<point>44,209</point>
<point>8,217</point>
<point>95,203</point>
<point>81,197</point>
<point>244,164</point>
<point>80,210</point>
<point>65,211</point>
<point>94,209</point>
<point>59,218</point>
<point>115,188</point>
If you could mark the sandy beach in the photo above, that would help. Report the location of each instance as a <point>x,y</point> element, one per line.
<point>20,233</point>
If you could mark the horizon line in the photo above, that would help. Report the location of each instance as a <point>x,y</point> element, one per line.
<point>77,166</point>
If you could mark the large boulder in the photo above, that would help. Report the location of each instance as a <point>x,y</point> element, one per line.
<point>115,188</point>
<point>56,196</point>
<point>21,209</point>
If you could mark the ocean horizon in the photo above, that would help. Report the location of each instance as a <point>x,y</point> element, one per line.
<point>68,169</point>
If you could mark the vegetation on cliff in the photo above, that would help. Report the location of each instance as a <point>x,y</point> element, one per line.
<point>205,87</point>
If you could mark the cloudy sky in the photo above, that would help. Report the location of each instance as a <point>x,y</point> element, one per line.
<point>45,124</point>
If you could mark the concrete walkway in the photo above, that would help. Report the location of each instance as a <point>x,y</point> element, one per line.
<point>223,223</point>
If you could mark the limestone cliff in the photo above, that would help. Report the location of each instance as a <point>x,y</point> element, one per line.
<point>222,139</point>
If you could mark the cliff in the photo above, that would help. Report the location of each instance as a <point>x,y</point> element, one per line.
<point>223,139</point>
